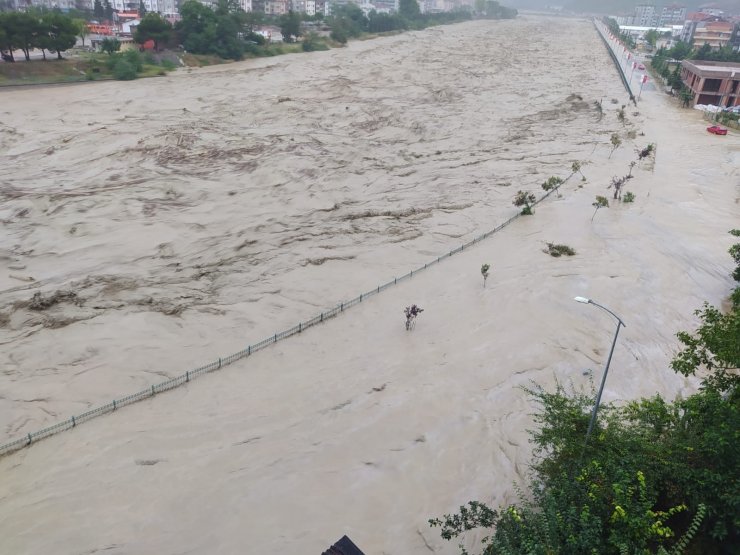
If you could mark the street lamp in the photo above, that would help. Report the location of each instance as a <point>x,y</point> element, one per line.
<point>606,369</point>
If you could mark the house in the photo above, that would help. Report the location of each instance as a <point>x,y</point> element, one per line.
<point>714,33</point>
<point>692,21</point>
<point>715,83</point>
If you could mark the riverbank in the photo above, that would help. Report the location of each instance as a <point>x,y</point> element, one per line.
<point>201,211</point>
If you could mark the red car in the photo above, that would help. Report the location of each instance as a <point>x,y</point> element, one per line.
<point>640,67</point>
<point>717,130</point>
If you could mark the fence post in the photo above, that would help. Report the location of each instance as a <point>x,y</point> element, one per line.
<point>360,297</point>
<point>378,288</point>
<point>249,349</point>
<point>152,390</point>
<point>114,404</point>
<point>187,376</point>
<point>275,339</point>
<point>300,327</point>
<point>73,422</point>
<point>29,439</point>
<point>395,280</point>
<point>341,307</point>
<point>412,274</point>
<point>322,317</point>
<point>219,362</point>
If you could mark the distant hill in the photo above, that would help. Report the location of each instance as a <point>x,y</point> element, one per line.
<point>618,6</point>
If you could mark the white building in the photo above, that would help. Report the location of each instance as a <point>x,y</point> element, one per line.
<point>672,15</point>
<point>645,16</point>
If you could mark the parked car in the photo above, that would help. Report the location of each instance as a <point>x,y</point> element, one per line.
<point>717,130</point>
<point>641,67</point>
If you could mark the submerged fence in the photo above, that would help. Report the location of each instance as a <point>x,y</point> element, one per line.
<point>189,375</point>
<point>616,61</point>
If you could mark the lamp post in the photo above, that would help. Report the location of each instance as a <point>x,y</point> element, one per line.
<point>606,369</point>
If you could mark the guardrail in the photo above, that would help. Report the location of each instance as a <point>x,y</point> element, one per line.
<point>189,375</point>
<point>622,76</point>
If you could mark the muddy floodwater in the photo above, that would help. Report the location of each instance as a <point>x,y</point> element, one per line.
<point>150,227</point>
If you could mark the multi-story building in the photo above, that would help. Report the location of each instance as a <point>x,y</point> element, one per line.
<point>646,16</point>
<point>277,7</point>
<point>714,33</point>
<point>711,9</point>
<point>386,6</point>
<point>715,83</point>
<point>672,15</point>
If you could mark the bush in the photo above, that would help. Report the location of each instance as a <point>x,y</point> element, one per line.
<point>312,42</point>
<point>339,35</point>
<point>629,196</point>
<point>123,70</point>
<point>559,250</point>
<point>134,58</point>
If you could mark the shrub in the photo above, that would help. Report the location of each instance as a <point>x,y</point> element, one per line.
<point>559,250</point>
<point>629,196</point>
<point>124,71</point>
<point>134,58</point>
<point>553,182</point>
<point>600,202</point>
<point>525,199</point>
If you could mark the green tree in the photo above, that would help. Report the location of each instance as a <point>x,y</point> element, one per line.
<point>22,30</point>
<point>61,32</point>
<point>98,10</point>
<point>526,200</point>
<point>349,18</point>
<point>702,53</point>
<point>680,51</point>
<point>155,28</point>
<point>218,31</point>
<point>600,202</point>
<point>108,9</point>
<point>110,45</point>
<point>290,26</point>
<point>81,29</point>
<point>651,37</point>
<point>409,10</point>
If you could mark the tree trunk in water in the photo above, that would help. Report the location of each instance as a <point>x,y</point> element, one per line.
<point>59,55</point>
<point>43,51</point>
<point>27,54</point>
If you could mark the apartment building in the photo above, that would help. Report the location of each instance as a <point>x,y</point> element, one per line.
<point>714,33</point>
<point>672,15</point>
<point>646,16</point>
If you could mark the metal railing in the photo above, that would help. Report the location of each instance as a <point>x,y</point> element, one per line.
<point>614,58</point>
<point>189,375</point>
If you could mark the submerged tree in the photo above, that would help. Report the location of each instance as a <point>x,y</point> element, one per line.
<point>552,183</point>
<point>575,167</point>
<point>411,313</point>
<point>484,272</point>
<point>621,115</point>
<point>525,199</point>
<point>616,143</point>
<point>600,202</point>
<point>646,152</point>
